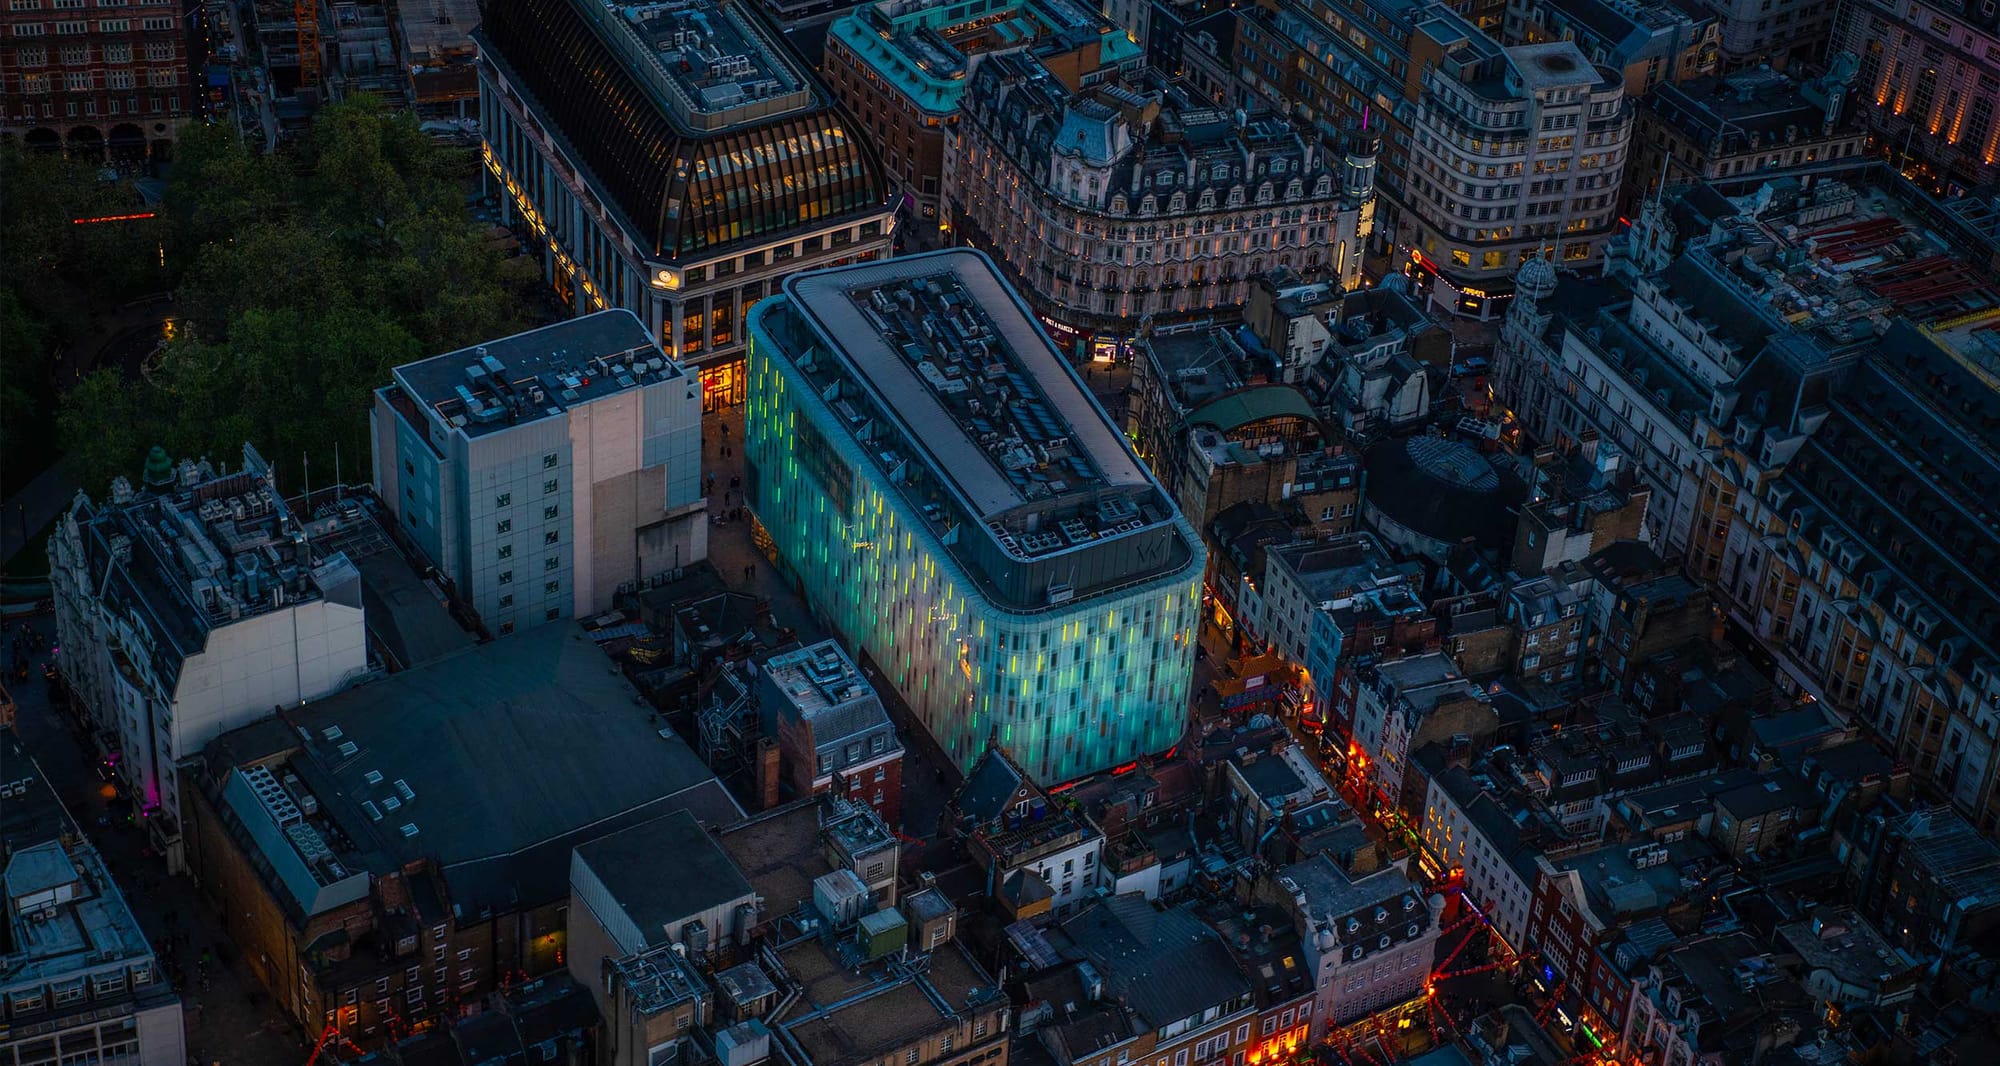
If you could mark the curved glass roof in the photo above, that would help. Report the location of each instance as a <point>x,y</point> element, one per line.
<point>688,179</point>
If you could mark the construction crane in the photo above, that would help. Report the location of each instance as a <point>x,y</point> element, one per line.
<point>306,14</point>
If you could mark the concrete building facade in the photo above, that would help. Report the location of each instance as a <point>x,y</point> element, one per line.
<point>543,472</point>
<point>1926,87</point>
<point>901,66</point>
<point>1519,153</point>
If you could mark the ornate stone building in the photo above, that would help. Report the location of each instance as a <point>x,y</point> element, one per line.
<point>1141,201</point>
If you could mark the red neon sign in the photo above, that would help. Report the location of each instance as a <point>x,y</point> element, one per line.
<point>112,218</point>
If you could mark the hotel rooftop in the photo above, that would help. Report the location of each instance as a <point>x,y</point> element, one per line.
<point>935,358</point>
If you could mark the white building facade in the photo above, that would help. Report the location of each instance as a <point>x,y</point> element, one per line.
<point>543,472</point>
<point>190,608</point>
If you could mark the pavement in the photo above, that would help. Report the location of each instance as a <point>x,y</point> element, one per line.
<point>228,1018</point>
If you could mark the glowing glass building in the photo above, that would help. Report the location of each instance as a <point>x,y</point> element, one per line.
<point>949,496</point>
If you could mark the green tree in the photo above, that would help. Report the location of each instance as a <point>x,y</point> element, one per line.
<point>106,426</point>
<point>308,275</point>
<point>24,369</point>
<point>57,278</point>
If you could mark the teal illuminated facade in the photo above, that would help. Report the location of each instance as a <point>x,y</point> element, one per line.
<point>955,504</point>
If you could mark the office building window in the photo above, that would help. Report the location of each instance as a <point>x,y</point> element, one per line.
<point>549,486</point>
<point>505,576</point>
<point>551,537</point>
<point>549,461</point>
<point>505,499</point>
<point>550,513</point>
<point>552,587</point>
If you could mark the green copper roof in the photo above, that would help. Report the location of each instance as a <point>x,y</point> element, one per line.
<point>905,65</point>
<point>1253,404</point>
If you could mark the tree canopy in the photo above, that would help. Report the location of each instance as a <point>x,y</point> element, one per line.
<point>307,276</point>
<point>55,275</point>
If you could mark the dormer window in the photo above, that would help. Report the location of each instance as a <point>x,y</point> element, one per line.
<point>1118,204</point>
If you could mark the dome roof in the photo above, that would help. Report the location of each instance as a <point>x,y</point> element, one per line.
<point>1536,279</point>
<point>681,190</point>
<point>1443,489</point>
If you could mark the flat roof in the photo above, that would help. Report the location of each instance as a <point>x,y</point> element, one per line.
<point>495,761</point>
<point>870,1025</point>
<point>409,619</point>
<point>663,872</point>
<point>1033,394</point>
<point>1552,64</point>
<point>779,853</point>
<point>817,678</point>
<point>436,30</point>
<point>717,62</point>
<point>539,373</point>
